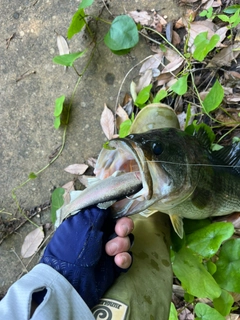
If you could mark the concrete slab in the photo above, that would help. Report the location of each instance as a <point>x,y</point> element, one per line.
<point>29,84</point>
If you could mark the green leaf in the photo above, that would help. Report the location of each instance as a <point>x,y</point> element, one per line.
<point>213,98</point>
<point>232,9</point>
<point>188,116</point>
<point>207,13</point>
<point>32,176</point>
<point>234,19</point>
<point>204,45</point>
<point>160,95</point>
<point>204,312</point>
<point>192,225</point>
<point>193,276</point>
<point>77,23</point>
<point>68,59</point>
<point>85,3</point>
<point>173,313</point>
<point>228,266</point>
<point>211,267</point>
<point>223,17</point>
<point>59,106</point>
<point>56,202</point>
<point>180,87</point>
<point>207,241</point>
<point>125,128</point>
<point>143,96</point>
<point>57,122</point>
<point>223,303</point>
<point>123,34</point>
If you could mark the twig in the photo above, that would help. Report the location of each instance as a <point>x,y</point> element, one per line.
<point>9,40</point>
<point>25,74</point>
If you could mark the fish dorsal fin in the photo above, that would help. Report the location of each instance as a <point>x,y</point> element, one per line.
<point>229,155</point>
<point>205,135</point>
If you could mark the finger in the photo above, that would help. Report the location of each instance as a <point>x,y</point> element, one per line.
<point>117,245</point>
<point>124,226</point>
<point>123,260</point>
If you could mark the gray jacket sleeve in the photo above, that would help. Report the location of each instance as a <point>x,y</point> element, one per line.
<point>61,301</point>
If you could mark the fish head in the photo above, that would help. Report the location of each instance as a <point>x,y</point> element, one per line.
<point>161,157</point>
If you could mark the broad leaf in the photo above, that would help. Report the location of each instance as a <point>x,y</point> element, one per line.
<point>213,98</point>
<point>180,87</point>
<point>57,202</point>
<point>204,45</point>
<point>160,95</point>
<point>143,96</point>
<point>68,59</point>
<point>205,312</point>
<point>125,128</point>
<point>77,23</point>
<point>193,276</point>
<point>173,313</point>
<point>59,106</point>
<point>223,303</point>
<point>228,266</point>
<point>85,3</point>
<point>32,242</point>
<point>207,241</point>
<point>123,34</point>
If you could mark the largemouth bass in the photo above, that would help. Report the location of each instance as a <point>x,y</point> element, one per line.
<point>180,175</point>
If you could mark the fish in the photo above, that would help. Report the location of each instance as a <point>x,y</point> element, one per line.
<point>181,176</point>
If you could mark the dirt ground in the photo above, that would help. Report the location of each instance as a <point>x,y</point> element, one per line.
<point>30,82</point>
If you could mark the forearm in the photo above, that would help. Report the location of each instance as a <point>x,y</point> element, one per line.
<point>60,302</point>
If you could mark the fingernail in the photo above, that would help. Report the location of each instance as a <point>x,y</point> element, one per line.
<point>125,229</point>
<point>113,247</point>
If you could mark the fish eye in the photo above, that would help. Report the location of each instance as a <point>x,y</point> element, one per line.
<point>157,149</point>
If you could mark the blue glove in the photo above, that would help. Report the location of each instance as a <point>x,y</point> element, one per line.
<point>77,251</point>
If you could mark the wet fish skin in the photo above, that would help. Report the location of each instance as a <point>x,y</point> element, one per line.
<point>184,177</point>
<point>112,188</point>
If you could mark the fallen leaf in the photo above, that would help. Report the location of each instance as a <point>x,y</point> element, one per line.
<point>142,17</point>
<point>225,56</point>
<point>62,45</point>
<point>107,122</point>
<point>69,186</point>
<point>92,162</point>
<point>76,168</point>
<point>152,63</point>
<point>144,80</point>
<point>121,116</point>
<point>31,242</point>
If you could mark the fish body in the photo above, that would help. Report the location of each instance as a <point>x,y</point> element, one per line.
<point>180,175</point>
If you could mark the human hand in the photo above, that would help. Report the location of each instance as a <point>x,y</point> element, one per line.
<point>81,251</point>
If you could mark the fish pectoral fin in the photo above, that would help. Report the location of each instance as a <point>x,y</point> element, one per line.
<point>177,224</point>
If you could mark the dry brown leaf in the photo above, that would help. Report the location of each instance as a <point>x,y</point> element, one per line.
<point>152,63</point>
<point>233,316</point>
<point>225,56</point>
<point>183,21</point>
<point>107,122</point>
<point>69,186</point>
<point>31,242</point>
<point>176,40</point>
<point>144,80</point>
<point>174,65</point>
<point>92,162</point>
<point>142,17</point>
<point>208,4</point>
<point>198,27</point>
<point>76,168</point>
<point>121,116</point>
<point>185,314</point>
<point>217,3</point>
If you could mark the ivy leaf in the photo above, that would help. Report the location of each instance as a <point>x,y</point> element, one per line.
<point>223,303</point>
<point>195,279</point>
<point>85,3</point>
<point>205,312</point>
<point>57,202</point>
<point>123,34</point>
<point>32,176</point>
<point>180,87</point>
<point>207,241</point>
<point>143,96</point>
<point>160,95</point>
<point>204,45</point>
<point>125,128</point>
<point>228,266</point>
<point>77,23</point>
<point>68,59</point>
<point>213,98</point>
<point>59,106</point>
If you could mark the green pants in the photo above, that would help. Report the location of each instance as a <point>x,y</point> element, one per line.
<point>144,292</point>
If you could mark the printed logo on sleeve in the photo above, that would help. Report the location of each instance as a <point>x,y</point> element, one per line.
<point>109,309</point>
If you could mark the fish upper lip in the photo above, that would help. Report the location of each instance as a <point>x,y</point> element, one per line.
<point>118,158</point>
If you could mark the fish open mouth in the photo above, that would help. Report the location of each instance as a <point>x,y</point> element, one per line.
<point>122,156</point>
